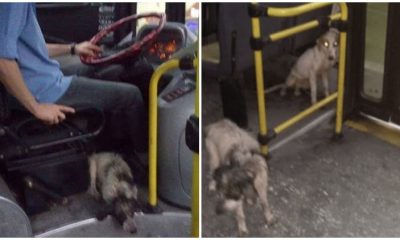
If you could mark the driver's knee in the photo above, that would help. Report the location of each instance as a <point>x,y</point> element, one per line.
<point>130,95</point>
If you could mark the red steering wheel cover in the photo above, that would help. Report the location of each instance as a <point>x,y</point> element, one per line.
<point>133,50</point>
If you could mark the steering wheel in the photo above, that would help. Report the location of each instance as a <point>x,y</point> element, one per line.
<point>131,52</point>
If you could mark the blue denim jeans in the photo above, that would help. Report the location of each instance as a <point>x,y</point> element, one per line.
<point>121,102</point>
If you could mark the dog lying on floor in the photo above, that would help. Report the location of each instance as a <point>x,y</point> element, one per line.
<point>111,180</point>
<point>237,171</point>
<point>313,64</point>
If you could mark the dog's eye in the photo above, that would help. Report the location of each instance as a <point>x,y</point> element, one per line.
<point>326,44</point>
<point>335,44</point>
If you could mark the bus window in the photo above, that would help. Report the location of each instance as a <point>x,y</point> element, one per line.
<point>145,7</point>
<point>192,13</point>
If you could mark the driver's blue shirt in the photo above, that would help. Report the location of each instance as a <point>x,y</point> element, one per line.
<point>21,39</point>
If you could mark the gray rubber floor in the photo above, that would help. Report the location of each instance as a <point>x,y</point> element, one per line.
<point>168,225</point>
<point>77,219</point>
<point>318,188</point>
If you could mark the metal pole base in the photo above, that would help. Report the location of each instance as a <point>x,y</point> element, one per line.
<point>267,157</point>
<point>152,209</point>
<point>336,137</point>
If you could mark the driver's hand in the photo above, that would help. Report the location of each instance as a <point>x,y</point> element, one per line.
<point>87,48</point>
<point>51,113</point>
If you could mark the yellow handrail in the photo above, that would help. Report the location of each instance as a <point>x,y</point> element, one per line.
<point>295,11</point>
<point>153,116</point>
<point>299,28</point>
<point>288,123</point>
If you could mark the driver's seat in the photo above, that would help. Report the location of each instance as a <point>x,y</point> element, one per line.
<point>53,156</point>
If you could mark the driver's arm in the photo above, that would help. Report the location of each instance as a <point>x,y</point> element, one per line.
<point>83,48</point>
<point>13,19</point>
<point>11,78</point>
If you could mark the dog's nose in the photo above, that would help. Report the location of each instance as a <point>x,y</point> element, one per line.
<point>331,58</point>
<point>132,228</point>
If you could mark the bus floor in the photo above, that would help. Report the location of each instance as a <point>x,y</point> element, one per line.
<point>77,219</point>
<point>317,187</point>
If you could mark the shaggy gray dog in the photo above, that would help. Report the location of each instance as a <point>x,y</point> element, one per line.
<point>237,171</point>
<point>111,180</point>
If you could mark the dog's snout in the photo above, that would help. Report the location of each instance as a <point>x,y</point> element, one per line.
<point>129,225</point>
<point>133,230</point>
<point>331,58</point>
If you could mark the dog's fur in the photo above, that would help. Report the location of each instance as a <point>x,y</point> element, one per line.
<point>313,64</point>
<point>111,180</point>
<point>237,170</point>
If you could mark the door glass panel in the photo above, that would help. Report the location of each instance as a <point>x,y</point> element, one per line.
<point>375,41</point>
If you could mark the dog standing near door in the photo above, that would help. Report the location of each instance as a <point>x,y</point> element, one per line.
<point>315,63</point>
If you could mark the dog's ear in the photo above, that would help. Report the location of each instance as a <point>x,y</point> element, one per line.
<point>322,43</point>
<point>248,176</point>
<point>319,43</point>
<point>127,190</point>
<point>130,194</point>
<point>110,192</point>
<point>244,177</point>
<point>220,176</point>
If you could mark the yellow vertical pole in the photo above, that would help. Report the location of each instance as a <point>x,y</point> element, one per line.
<point>195,167</point>
<point>262,117</point>
<point>153,94</point>
<point>341,72</point>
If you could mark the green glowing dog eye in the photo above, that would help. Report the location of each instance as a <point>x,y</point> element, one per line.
<point>326,44</point>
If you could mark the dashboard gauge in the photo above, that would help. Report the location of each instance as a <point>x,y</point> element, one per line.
<point>168,42</point>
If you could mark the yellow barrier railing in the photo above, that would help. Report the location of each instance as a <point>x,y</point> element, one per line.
<point>153,116</point>
<point>300,28</point>
<point>257,44</point>
<point>196,167</point>
<point>295,11</point>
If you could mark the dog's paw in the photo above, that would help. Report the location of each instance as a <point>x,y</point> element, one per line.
<point>243,232</point>
<point>272,220</point>
<point>93,192</point>
<point>266,227</point>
